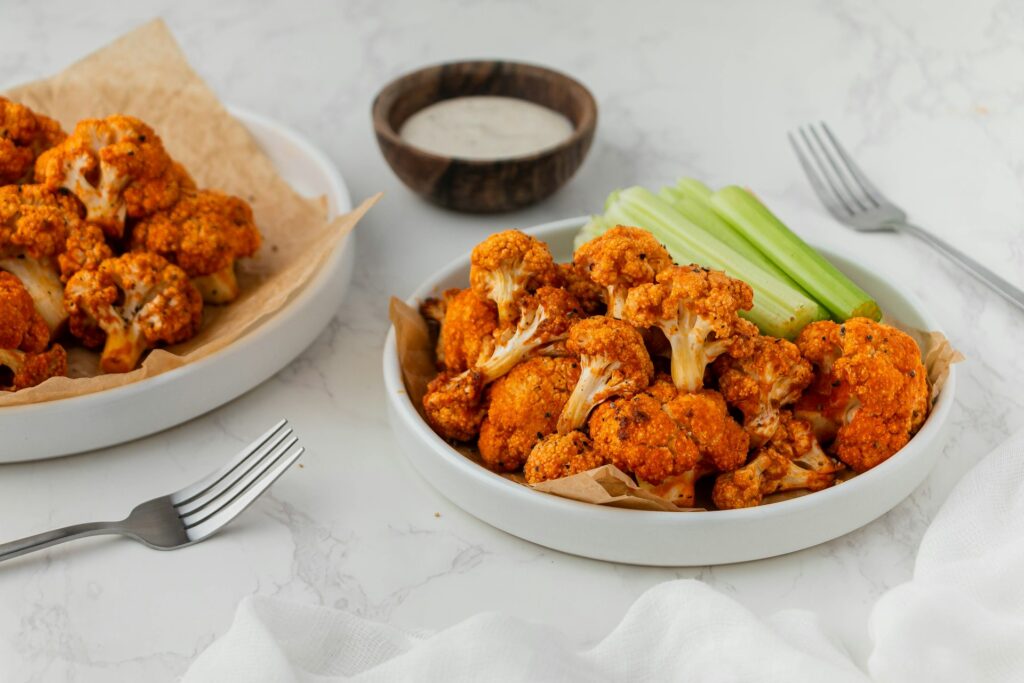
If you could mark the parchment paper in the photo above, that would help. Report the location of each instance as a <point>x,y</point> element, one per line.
<point>608,485</point>
<point>145,74</point>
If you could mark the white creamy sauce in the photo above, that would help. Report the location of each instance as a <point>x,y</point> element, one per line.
<point>485,127</point>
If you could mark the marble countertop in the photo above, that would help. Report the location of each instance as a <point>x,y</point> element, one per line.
<point>930,101</point>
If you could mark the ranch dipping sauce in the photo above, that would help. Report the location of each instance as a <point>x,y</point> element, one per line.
<point>485,127</point>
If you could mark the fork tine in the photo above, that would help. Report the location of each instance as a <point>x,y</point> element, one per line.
<point>241,473</point>
<point>842,177</point>
<point>812,176</point>
<point>198,514</point>
<point>824,173</point>
<point>870,191</point>
<point>832,201</point>
<point>243,499</point>
<point>197,489</point>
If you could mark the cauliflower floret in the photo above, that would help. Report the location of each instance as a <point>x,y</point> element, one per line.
<point>747,486</point>
<point>21,326</point>
<point>466,323</point>
<point>590,294</point>
<point>773,375</point>
<point>145,197</point>
<point>130,304</point>
<point>561,455</point>
<point>24,135</point>
<point>613,361</point>
<point>542,328</point>
<point>871,391</point>
<point>455,404</point>
<point>705,418</point>
<point>117,167</point>
<point>702,420</point>
<point>620,259</point>
<point>636,435</point>
<point>86,248</point>
<point>35,225</point>
<point>791,460</point>
<point>24,360</point>
<point>507,266</point>
<point>204,233</point>
<point>697,309</point>
<point>523,409</point>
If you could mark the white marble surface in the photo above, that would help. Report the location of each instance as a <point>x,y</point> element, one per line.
<point>930,100</point>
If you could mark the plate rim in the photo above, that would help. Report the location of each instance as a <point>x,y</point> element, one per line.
<point>399,400</point>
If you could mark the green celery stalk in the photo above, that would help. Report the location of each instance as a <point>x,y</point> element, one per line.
<point>780,309</point>
<point>811,270</point>
<point>692,188</point>
<point>699,212</point>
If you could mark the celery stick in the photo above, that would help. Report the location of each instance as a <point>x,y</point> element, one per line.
<point>811,270</point>
<point>698,210</point>
<point>692,188</point>
<point>780,309</point>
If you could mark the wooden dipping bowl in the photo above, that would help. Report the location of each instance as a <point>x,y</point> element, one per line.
<point>475,185</point>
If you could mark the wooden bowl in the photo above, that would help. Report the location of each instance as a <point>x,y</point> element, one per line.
<point>484,186</point>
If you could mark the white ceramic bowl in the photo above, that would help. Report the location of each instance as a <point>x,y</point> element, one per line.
<point>666,538</point>
<point>129,412</point>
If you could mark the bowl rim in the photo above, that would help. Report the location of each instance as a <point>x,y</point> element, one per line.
<point>339,193</point>
<point>396,86</point>
<point>403,408</point>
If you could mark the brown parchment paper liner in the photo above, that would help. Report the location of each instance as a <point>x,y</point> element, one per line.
<point>145,74</point>
<point>608,485</point>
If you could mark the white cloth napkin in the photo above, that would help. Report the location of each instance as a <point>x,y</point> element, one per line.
<point>961,618</point>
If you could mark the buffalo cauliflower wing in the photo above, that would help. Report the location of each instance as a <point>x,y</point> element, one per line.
<point>639,437</point>
<point>24,135</point>
<point>204,233</point>
<point>130,304</point>
<point>86,248</point>
<point>455,401</point>
<point>454,404</point>
<point>117,167</point>
<point>669,439</point>
<point>465,323</point>
<point>561,455</point>
<point>35,226</point>
<point>620,259</point>
<point>506,267</point>
<point>705,418</point>
<point>791,460</point>
<point>870,394</point>
<point>613,361</point>
<point>24,358</point>
<point>758,385</point>
<point>523,408</point>
<point>697,310</point>
<point>590,294</point>
<point>543,325</point>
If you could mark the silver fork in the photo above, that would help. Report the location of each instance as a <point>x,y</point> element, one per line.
<point>195,512</point>
<point>849,196</point>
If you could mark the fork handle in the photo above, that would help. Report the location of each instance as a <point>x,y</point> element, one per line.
<point>48,538</point>
<point>1000,286</point>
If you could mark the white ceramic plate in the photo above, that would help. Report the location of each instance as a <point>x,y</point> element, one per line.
<point>666,538</point>
<point>129,412</point>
